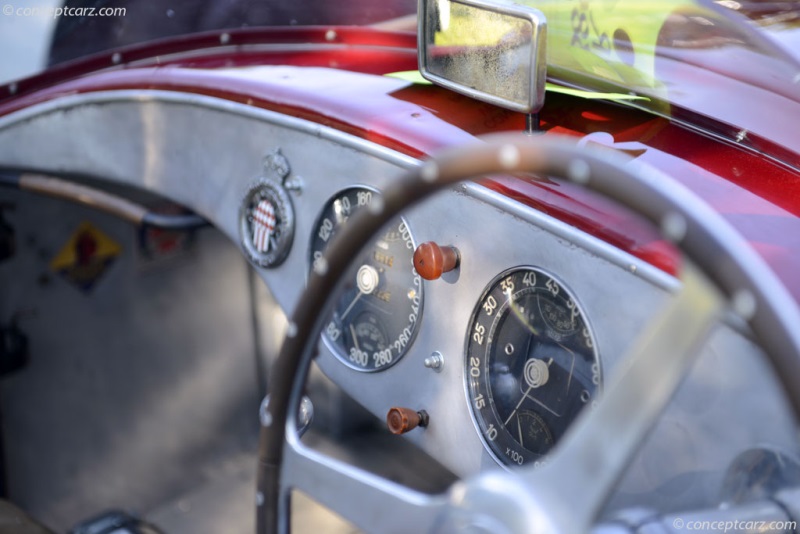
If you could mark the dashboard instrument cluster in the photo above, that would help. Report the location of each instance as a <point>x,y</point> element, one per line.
<point>509,331</point>
<point>529,362</point>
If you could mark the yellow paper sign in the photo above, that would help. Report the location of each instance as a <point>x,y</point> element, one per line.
<point>86,256</point>
<point>608,40</point>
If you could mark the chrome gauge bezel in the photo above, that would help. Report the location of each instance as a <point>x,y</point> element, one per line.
<point>507,452</point>
<point>413,326</point>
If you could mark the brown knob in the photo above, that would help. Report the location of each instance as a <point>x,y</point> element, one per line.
<point>431,260</point>
<point>401,420</point>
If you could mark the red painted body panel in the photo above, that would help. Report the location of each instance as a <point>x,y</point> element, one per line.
<point>759,197</point>
<point>352,48</point>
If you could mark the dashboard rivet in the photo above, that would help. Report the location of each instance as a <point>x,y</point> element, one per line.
<point>674,227</point>
<point>509,157</point>
<point>632,268</point>
<point>376,206</point>
<point>291,329</point>
<point>321,266</point>
<point>435,361</point>
<point>225,38</point>
<point>305,414</point>
<point>330,35</point>
<point>263,413</point>
<point>578,171</point>
<point>744,304</point>
<point>429,172</point>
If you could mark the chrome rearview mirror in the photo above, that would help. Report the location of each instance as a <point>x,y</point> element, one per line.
<point>485,49</point>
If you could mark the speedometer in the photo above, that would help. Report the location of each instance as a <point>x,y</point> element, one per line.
<point>375,320</point>
<point>531,364</point>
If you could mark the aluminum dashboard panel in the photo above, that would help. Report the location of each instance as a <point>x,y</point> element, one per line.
<point>492,233</point>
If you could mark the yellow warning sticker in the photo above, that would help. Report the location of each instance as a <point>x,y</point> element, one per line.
<point>85,257</point>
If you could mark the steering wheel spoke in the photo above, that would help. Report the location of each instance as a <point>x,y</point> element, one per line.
<point>368,501</point>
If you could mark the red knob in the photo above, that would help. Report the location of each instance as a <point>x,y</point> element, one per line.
<point>401,420</point>
<point>431,261</point>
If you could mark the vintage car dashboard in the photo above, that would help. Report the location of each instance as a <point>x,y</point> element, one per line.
<point>280,186</point>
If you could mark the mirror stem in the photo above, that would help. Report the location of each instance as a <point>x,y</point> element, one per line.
<point>532,124</point>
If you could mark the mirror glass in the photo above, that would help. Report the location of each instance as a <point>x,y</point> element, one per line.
<point>491,52</point>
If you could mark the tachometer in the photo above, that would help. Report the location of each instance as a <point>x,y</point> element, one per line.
<point>531,364</point>
<point>376,318</point>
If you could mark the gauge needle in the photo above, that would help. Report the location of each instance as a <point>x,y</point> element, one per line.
<point>519,429</point>
<point>350,307</point>
<point>540,403</point>
<point>518,405</point>
<point>355,338</point>
<point>527,352</point>
<point>572,367</point>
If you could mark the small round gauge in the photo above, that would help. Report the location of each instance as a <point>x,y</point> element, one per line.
<point>375,319</point>
<point>531,364</point>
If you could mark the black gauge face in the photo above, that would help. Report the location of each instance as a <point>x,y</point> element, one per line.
<point>531,365</point>
<point>375,319</point>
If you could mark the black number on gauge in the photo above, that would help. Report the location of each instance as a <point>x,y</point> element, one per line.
<point>375,320</point>
<point>531,365</point>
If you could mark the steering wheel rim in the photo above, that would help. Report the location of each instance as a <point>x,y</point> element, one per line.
<point>738,275</point>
